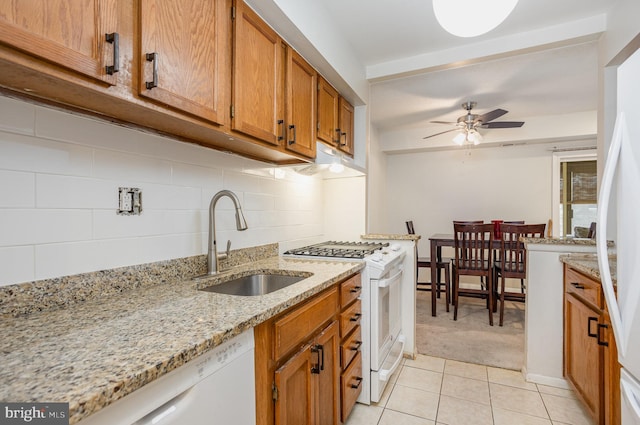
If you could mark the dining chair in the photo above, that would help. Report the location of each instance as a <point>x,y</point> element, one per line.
<point>425,262</point>
<point>592,230</point>
<point>473,257</point>
<point>513,261</point>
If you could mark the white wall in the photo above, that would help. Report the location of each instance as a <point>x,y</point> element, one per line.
<point>345,208</point>
<point>378,208</point>
<point>435,188</point>
<point>59,179</point>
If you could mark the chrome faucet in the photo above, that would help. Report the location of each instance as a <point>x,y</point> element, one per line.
<point>241,224</point>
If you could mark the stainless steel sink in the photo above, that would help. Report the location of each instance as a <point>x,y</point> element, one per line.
<point>255,284</point>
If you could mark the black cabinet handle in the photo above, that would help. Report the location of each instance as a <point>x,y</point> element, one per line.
<point>591,334</point>
<point>338,140</point>
<point>600,341</point>
<point>343,136</point>
<point>153,57</point>
<point>577,285</point>
<point>355,317</point>
<point>358,380</point>
<point>292,141</point>
<point>281,136</point>
<point>357,346</point>
<point>355,289</point>
<point>319,349</point>
<point>113,38</point>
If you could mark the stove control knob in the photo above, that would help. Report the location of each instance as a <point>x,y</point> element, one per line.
<point>395,247</point>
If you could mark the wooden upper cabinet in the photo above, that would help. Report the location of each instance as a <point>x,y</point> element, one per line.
<point>67,33</point>
<point>301,105</point>
<point>258,77</point>
<point>183,61</point>
<point>328,99</point>
<point>346,126</point>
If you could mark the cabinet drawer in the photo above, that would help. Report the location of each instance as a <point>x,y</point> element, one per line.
<point>350,347</point>
<point>299,324</point>
<point>350,290</point>
<point>350,386</point>
<point>350,318</point>
<point>583,286</point>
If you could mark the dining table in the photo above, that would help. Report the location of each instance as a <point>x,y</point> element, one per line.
<point>437,241</point>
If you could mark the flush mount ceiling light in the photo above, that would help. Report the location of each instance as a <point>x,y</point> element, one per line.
<point>470,18</point>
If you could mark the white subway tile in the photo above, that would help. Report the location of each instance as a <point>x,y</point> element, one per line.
<point>109,225</point>
<point>17,189</point>
<point>16,116</point>
<point>25,227</point>
<point>166,197</point>
<point>82,130</point>
<point>129,168</point>
<point>195,175</point>
<point>258,202</point>
<point>240,182</point>
<point>27,153</point>
<point>62,259</point>
<point>18,265</point>
<point>54,191</point>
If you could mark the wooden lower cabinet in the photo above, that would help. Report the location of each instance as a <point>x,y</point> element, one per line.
<point>590,355</point>
<point>351,341</point>
<point>307,385</point>
<point>301,374</point>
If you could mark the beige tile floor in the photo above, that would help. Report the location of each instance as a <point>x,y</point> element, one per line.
<point>435,391</point>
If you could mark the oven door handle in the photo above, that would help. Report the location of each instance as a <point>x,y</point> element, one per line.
<point>384,374</point>
<point>383,283</point>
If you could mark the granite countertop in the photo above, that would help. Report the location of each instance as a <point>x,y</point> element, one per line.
<point>98,351</point>
<point>588,264</point>
<point>390,237</point>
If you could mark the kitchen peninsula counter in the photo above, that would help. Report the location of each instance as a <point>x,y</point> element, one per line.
<point>93,353</point>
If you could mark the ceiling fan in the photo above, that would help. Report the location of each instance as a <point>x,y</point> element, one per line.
<point>469,124</point>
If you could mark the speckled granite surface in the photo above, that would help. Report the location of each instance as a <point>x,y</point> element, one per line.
<point>561,241</point>
<point>588,264</point>
<point>63,292</point>
<point>391,237</point>
<point>97,351</point>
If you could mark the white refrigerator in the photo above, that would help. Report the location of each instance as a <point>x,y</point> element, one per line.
<point>621,178</point>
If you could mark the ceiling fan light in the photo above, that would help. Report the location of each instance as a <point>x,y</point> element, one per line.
<point>474,137</point>
<point>470,18</point>
<point>460,138</point>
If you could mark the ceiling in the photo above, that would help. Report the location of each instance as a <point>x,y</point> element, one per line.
<point>541,62</point>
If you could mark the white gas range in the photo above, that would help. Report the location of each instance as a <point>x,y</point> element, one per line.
<point>381,322</point>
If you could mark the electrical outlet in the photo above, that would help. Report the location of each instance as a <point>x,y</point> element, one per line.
<point>129,201</point>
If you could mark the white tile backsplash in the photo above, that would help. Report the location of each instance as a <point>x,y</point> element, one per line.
<point>16,116</point>
<point>17,189</point>
<point>59,179</point>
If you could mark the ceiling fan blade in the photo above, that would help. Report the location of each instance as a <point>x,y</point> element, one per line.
<point>502,124</point>
<point>437,134</point>
<point>490,116</point>
<point>444,122</point>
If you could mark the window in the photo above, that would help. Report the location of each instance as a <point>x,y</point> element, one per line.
<point>575,194</point>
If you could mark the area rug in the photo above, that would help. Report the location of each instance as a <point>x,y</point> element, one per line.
<point>470,338</point>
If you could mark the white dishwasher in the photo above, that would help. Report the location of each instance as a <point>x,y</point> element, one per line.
<point>217,388</point>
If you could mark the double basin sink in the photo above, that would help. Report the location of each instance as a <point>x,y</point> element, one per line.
<point>259,283</point>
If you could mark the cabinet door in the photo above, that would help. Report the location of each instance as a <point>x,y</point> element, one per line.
<point>258,77</point>
<point>294,402</point>
<point>583,355</point>
<point>68,33</point>
<point>328,376</point>
<point>182,55</point>
<point>611,375</point>
<point>327,112</point>
<point>346,127</point>
<point>301,105</point>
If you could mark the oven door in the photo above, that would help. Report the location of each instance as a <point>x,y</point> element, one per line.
<point>385,314</point>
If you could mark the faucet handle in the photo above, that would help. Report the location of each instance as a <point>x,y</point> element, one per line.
<point>228,246</point>
<point>225,255</point>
